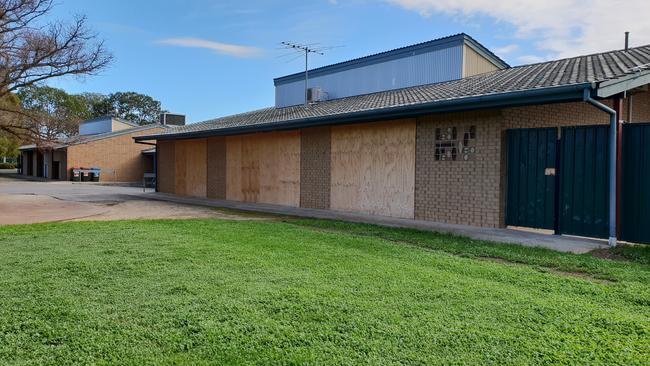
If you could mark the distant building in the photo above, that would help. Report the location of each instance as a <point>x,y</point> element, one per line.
<point>105,143</point>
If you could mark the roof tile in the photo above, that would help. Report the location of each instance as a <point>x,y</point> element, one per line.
<point>571,71</point>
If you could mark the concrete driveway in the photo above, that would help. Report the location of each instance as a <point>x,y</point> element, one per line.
<point>27,202</point>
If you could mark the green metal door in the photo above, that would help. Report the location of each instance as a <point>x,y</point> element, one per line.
<point>531,177</point>
<point>584,181</point>
<point>635,192</point>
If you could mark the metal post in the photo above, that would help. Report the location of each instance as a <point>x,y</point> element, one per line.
<point>613,129</point>
<point>155,168</point>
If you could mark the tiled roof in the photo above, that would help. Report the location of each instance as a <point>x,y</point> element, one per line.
<point>82,139</point>
<point>580,70</point>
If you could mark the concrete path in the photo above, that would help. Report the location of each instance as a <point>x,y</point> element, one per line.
<point>23,201</point>
<point>28,202</point>
<point>531,239</point>
<point>31,209</point>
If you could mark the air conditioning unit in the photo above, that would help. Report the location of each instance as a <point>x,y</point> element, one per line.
<point>171,119</point>
<point>315,95</point>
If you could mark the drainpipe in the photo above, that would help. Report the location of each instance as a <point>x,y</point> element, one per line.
<point>618,107</point>
<point>613,128</point>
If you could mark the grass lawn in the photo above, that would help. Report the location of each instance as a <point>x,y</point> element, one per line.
<point>309,292</point>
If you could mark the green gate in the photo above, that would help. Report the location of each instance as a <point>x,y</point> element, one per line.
<point>635,195</point>
<point>531,181</point>
<point>584,181</point>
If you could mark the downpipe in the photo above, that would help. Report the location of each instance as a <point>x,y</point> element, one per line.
<point>613,128</point>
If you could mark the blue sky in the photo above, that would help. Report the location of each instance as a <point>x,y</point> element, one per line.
<point>207,58</point>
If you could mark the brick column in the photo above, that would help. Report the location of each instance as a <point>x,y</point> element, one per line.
<point>315,171</point>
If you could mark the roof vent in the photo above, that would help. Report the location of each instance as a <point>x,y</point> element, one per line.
<point>315,95</point>
<point>172,119</point>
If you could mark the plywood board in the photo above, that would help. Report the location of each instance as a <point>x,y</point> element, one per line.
<point>264,168</point>
<point>373,168</point>
<point>191,167</point>
<point>250,168</point>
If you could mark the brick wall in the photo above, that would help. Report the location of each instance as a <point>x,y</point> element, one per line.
<point>315,172</point>
<point>573,114</point>
<point>166,161</point>
<point>461,191</point>
<point>216,151</point>
<point>553,115</point>
<point>119,157</point>
<point>640,107</point>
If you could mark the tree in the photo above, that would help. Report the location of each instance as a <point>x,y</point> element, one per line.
<point>8,148</point>
<point>10,122</point>
<point>55,113</point>
<point>31,53</point>
<point>130,106</point>
<point>94,103</point>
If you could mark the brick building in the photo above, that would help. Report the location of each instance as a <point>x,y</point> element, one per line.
<point>105,143</point>
<point>442,131</point>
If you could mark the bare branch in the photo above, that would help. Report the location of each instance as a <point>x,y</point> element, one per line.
<point>31,53</point>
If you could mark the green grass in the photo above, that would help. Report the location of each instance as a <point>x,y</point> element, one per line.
<point>308,292</point>
<point>638,268</point>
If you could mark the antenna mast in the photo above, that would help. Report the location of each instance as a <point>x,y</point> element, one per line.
<point>307,50</point>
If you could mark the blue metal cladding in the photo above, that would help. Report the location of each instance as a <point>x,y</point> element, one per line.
<point>434,66</point>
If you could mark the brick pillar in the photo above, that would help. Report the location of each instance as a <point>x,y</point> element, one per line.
<point>315,172</point>
<point>216,185</point>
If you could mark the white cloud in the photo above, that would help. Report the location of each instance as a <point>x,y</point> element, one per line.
<point>222,48</point>
<point>563,28</point>
<point>530,59</point>
<point>505,50</point>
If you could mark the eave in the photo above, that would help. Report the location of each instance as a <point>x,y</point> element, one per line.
<point>560,94</point>
<point>619,85</point>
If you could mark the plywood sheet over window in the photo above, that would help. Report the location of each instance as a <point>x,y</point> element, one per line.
<point>264,168</point>
<point>191,167</point>
<point>373,168</point>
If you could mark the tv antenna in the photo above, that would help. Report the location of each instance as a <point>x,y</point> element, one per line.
<point>306,49</point>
